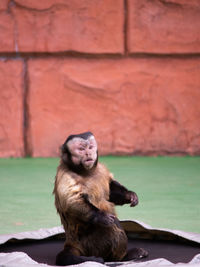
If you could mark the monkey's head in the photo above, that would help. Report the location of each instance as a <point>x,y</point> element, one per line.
<point>79,152</point>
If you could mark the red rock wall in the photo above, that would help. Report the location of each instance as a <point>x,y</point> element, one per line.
<point>127,70</point>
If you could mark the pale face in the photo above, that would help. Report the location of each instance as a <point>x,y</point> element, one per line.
<point>83,151</point>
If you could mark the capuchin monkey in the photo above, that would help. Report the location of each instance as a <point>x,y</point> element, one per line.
<point>85,195</point>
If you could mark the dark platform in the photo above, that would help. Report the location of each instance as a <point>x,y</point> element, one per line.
<point>45,251</point>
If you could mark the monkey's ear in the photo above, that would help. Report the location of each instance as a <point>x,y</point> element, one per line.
<point>64,157</point>
<point>63,148</point>
<point>63,152</point>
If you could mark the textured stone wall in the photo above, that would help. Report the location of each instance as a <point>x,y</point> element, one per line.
<point>127,70</point>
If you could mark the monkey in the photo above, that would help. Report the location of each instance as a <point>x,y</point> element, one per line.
<point>85,197</point>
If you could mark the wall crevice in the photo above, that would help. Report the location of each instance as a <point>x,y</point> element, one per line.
<point>41,55</point>
<point>126,27</point>
<point>26,132</point>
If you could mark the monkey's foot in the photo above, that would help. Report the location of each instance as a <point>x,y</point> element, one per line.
<point>136,254</point>
<point>66,258</point>
<point>93,258</point>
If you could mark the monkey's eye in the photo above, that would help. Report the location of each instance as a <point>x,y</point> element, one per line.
<point>90,147</point>
<point>81,148</point>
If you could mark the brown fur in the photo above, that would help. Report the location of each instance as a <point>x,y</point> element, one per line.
<point>83,238</point>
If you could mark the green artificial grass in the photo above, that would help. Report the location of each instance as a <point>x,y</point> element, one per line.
<point>168,190</point>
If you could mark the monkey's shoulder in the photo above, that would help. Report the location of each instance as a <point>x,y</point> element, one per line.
<point>66,182</point>
<point>103,172</point>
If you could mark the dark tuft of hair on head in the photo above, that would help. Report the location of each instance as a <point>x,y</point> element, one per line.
<point>84,136</point>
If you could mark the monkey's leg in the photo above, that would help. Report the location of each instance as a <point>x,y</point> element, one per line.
<point>117,240</point>
<point>119,247</point>
<point>69,256</point>
<point>135,254</point>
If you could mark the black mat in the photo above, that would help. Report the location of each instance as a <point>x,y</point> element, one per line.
<point>45,251</point>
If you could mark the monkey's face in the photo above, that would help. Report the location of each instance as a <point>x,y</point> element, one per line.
<point>83,151</point>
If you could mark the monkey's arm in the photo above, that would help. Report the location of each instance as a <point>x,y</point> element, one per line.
<point>85,211</point>
<point>74,203</point>
<point>120,195</point>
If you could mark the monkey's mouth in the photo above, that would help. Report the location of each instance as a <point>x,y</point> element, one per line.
<point>89,160</point>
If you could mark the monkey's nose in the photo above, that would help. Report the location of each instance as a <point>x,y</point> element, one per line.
<point>87,153</point>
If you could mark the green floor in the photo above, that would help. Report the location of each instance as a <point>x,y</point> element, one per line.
<point>168,190</point>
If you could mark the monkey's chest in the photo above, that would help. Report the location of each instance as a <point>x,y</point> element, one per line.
<point>98,193</point>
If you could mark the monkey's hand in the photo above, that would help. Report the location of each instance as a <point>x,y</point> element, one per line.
<point>132,198</point>
<point>103,219</point>
<point>98,217</point>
